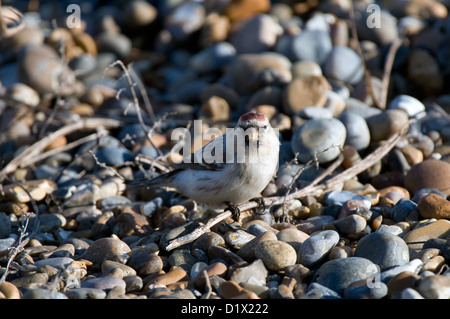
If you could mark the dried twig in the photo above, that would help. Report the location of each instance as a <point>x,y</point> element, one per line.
<point>388,68</point>
<point>311,190</point>
<point>367,75</point>
<point>20,243</point>
<point>315,162</point>
<point>136,103</point>
<point>35,149</point>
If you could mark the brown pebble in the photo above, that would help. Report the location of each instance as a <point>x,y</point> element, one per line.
<point>429,174</point>
<point>230,289</point>
<point>434,264</point>
<point>416,237</point>
<point>173,276</point>
<point>9,290</point>
<point>401,281</point>
<point>434,206</point>
<point>216,269</point>
<point>103,248</point>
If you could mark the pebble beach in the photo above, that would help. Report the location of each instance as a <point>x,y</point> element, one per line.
<point>92,91</point>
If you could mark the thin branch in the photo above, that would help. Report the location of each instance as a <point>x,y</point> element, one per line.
<point>136,103</point>
<point>388,69</point>
<point>35,149</point>
<point>367,75</point>
<point>112,170</point>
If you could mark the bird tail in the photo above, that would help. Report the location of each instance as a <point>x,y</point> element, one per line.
<point>163,180</point>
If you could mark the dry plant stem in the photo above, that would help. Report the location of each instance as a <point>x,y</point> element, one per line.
<point>64,148</point>
<point>35,149</point>
<point>367,75</point>
<point>136,103</point>
<point>388,68</point>
<point>311,190</point>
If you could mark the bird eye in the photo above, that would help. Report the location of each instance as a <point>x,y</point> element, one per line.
<point>265,127</point>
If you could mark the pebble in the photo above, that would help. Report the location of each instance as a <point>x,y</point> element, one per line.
<point>247,251</point>
<point>185,19</point>
<point>409,104</point>
<point>264,29</point>
<point>310,45</point>
<point>145,263</point>
<point>213,58</point>
<point>103,248</point>
<point>434,206</point>
<point>109,265</point>
<point>246,67</point>
<point>255,273</point>
<point>40,293</point>
<point>317,135</point>
<point>351,224</point>
<point>104,283</point>
<point>413,266</point>
<point>403,209</point>
<point>293,237</point>
<point>114,156</point>
<point>385,124</point>
<point>316,248</point>
<point>85,293</point>
<point>358,133</point>
<point>52,75</point>
<point>9,290</point>
<point>363,290</point>
<point>305,91</point>
<point>276,255</point>
<point>239,10</point>
<point>384,249</point>
<point>424,71</point>
<point>429,174</point>
<point>343,64</point>
<point>410,293</point>
<point>237,239</point>
<point>305,68</point>
<point>435,229</point>
<point>435,287</point>
<point>338,274</point>
<point>315,223</point>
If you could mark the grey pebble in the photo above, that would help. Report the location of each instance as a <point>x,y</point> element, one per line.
<point>316,248</point>
<point>316,135</point>
<point>40,293</point>
<point>255,273</point>
<point>57,262</point>
<point>409,104</point>
<point>104,283</point>
<point>402,209</point>
<point>384,249</point>
<point>311,45</point>
<point>5,226</point>
<point>414,266</point>
<point>350,224</point>
<point>133,283</point>
<point>315,223</point>
<point>114,156</point>
<point>337,274</point>
<point>318,291</point>
<point>358,134</point>
<point>85,293</point>
<point>371,290</point>
<point>344,64</point>
<point>410,293</point>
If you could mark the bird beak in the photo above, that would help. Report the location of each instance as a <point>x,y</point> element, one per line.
<point>253,134</point>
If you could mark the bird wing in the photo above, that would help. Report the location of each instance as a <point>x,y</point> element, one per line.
<point>212,156</point>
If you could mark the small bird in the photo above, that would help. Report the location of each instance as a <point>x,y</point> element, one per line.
<point>231,169</point>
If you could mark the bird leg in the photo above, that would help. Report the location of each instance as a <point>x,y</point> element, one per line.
<point>235,211</point>
<point>261,208</point>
